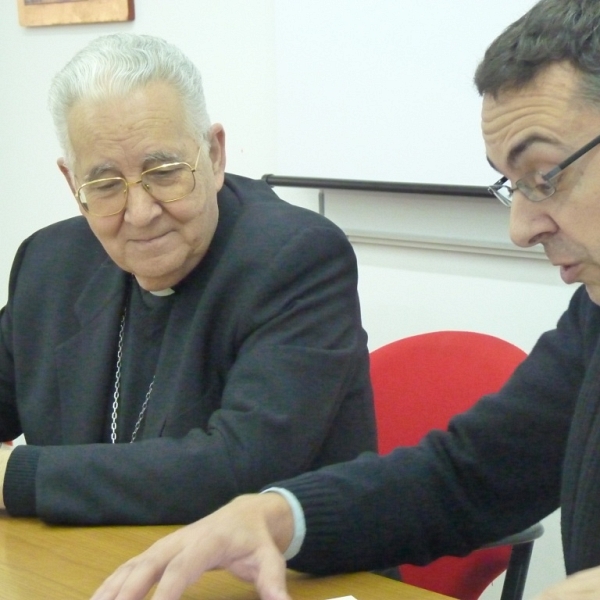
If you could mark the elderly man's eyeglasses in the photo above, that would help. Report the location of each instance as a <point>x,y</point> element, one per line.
<point>165,183</point>
<point>536,186</point>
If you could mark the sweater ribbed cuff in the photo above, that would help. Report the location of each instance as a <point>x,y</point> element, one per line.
<point>19,482</point>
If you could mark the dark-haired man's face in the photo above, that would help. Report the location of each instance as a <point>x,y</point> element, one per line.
<point>534,129</point>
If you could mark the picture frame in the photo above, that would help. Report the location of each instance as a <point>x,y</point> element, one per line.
<point>35,13</point>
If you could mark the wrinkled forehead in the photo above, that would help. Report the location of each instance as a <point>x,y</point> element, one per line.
<point>548,108</point>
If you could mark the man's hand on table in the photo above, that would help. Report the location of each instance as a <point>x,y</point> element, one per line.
<point>5,451</point>
<point>247,537</point>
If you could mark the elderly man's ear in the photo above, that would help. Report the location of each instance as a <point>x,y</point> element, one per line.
<point>62,165</point>
<point>217,153</point>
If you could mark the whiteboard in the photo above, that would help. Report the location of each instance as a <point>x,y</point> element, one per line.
<point>382,89</point>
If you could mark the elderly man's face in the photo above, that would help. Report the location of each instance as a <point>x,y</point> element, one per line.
<point>160,243</point>
<point>533,129</point>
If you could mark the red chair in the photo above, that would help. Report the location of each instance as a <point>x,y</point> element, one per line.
<point>419,383</point>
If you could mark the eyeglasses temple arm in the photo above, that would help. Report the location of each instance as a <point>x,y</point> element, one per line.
<point>565,163</point>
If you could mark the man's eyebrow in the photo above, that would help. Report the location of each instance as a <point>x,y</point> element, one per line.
<point>161,157</point>
<point>100,171</point>
<point>515,153</point>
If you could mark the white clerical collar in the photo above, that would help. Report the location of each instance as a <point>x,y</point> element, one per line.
<point>166,292</point>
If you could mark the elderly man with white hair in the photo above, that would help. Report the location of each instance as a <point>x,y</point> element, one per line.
<point>190,336</point>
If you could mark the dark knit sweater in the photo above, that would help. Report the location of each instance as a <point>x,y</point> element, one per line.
<point>502,466</point>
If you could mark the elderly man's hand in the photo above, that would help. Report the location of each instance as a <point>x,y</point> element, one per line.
<point>584,585</point>
<point>5,451</point>
<point>246,537</point>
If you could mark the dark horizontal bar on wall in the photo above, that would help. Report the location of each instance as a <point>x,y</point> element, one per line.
<point>431,189</point>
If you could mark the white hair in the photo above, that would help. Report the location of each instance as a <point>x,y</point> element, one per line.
<point>114,65</point>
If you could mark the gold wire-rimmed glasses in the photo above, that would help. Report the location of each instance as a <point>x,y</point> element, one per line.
<point>165,183</point>
<point>536,186</point>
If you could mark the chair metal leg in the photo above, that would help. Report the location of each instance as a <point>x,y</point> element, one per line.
<point>516,573</point>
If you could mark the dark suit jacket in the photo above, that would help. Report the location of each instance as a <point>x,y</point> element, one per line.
<point>511,460</point>
<point>262,373</point>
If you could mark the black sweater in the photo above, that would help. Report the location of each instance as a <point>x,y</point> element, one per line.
<point>505,464</point>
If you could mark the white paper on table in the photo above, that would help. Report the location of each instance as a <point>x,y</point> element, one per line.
<point>344,598</point>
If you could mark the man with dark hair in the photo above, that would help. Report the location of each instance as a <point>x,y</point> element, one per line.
<point>517,455</point>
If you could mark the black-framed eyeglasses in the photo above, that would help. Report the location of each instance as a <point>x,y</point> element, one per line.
<point>536,186</point>
<point>165,183</point>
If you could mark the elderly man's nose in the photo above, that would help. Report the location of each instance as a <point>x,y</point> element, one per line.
<point>141,207</point>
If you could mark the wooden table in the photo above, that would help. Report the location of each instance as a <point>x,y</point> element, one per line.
<point>42,562</point>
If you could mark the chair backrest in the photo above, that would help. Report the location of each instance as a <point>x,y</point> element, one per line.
<point>419,383</point>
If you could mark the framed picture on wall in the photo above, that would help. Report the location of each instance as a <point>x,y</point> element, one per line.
<point>34,13</point>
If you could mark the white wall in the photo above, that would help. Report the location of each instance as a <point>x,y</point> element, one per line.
<point>353,75</point>
<point>243,49</point>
